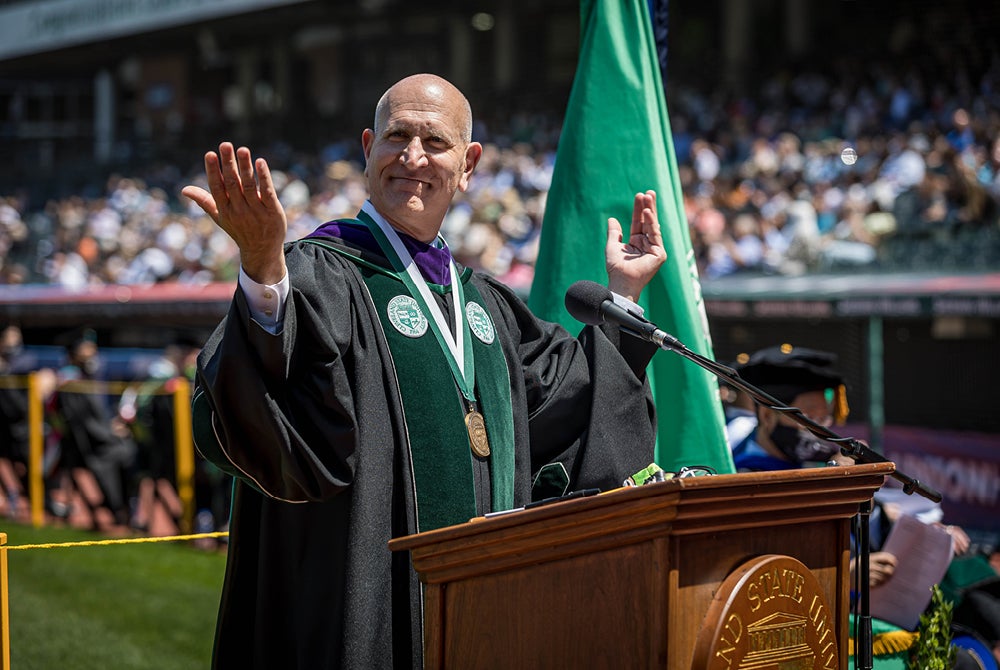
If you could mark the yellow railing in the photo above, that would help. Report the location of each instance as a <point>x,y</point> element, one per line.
<point>4,606</point>
<point>183,441</point>
<point>5,593</point>
<point>36,438</point>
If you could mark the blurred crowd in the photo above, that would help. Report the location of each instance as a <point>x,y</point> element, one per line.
<point>876,167</point>
<point>883,167</point>
<point>828,173</point>
<point>110,457</point>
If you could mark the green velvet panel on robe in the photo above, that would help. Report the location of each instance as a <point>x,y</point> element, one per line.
<point>440,453</point>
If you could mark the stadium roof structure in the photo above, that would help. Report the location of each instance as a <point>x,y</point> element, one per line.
<point>153,305</point>
<point>845,296</point>
<point>815,296</point>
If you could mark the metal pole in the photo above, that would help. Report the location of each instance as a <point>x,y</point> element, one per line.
<point>876,383</point>
<point>36,433</point>
<point>184,446</point>
<point>4,606</point>
<point>863,653</point>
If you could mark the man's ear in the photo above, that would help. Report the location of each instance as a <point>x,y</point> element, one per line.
<point>473,153</point>
<point>367,140</point>
<point>767,419</point>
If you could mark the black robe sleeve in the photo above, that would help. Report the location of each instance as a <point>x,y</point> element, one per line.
<point>312,416</point>
<point>587,402</point>
<point>284,407</point>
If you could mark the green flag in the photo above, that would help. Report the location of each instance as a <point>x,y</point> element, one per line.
<point>616,142</point>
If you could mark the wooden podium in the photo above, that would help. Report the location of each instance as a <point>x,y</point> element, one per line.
<point>728,571</point>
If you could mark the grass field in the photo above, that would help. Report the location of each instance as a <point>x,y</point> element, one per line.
<point>132,606</point>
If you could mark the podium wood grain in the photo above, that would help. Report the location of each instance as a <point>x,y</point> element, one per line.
<point>625,579</point>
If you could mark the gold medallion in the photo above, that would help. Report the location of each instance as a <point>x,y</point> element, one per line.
<point>476,426</point>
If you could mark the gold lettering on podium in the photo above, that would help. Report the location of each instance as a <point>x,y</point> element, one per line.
<point>732,633</point>
<point>772,584</point>
<point>769,613</point>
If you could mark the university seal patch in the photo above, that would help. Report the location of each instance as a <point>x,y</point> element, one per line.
<point>406,317</point>
<point>480,323</point>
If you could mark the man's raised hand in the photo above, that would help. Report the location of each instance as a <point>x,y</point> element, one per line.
<point>247,208</point>
<point>632,265</point>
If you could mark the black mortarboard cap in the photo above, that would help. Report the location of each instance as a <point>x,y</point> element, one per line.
<point>785,371</point>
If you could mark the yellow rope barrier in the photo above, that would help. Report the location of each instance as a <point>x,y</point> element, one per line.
<point>185,473</point>
<point>129,540</point>
<point>95,386</point>
<point>4,592</point>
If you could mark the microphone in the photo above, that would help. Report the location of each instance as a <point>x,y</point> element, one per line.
<point>594,304</point>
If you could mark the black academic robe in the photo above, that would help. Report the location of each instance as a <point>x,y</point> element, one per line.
<point>14,429</point>
<point>88,439</point>
<point>310,423</point>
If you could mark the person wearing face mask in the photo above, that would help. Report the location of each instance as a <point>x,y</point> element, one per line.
<point>90,436</point>
<point>768,440</point>
<point>798,377</point>
<point>762,439</point>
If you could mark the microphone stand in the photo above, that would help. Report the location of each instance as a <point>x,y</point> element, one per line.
<point>863,653</point>
<point>849,446</point>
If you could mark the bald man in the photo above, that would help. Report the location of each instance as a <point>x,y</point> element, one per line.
<point>364,386</point>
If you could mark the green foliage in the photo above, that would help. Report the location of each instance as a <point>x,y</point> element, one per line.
<point>933,650</point>
<point>132,606</point>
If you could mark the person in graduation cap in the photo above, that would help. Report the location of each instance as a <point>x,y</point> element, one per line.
<point>364,386</point>
<point>91,434</point>
<point>798,377</point>
<point>769,440</point>
<point>807,379</point>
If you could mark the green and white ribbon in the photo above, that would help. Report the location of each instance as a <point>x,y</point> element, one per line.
<point>457,344</point>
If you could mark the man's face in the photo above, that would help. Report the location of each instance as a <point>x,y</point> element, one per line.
<point>783,436</point>
<point>417,159</point>
<point>85,358</point>
<point>814,405</point>
<point>10,341</point>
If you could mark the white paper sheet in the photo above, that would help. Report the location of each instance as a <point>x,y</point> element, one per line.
<point>923,552</point>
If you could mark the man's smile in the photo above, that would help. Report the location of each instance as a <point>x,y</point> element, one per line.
<point>409,182</point>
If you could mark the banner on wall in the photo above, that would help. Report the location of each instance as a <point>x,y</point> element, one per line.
<point>963,466</point>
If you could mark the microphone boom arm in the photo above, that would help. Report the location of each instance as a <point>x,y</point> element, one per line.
<point>849,446</point>
<point>592,303</point>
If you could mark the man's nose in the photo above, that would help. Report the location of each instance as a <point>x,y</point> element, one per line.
<point>824,419</point>
<point>413,154</point>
